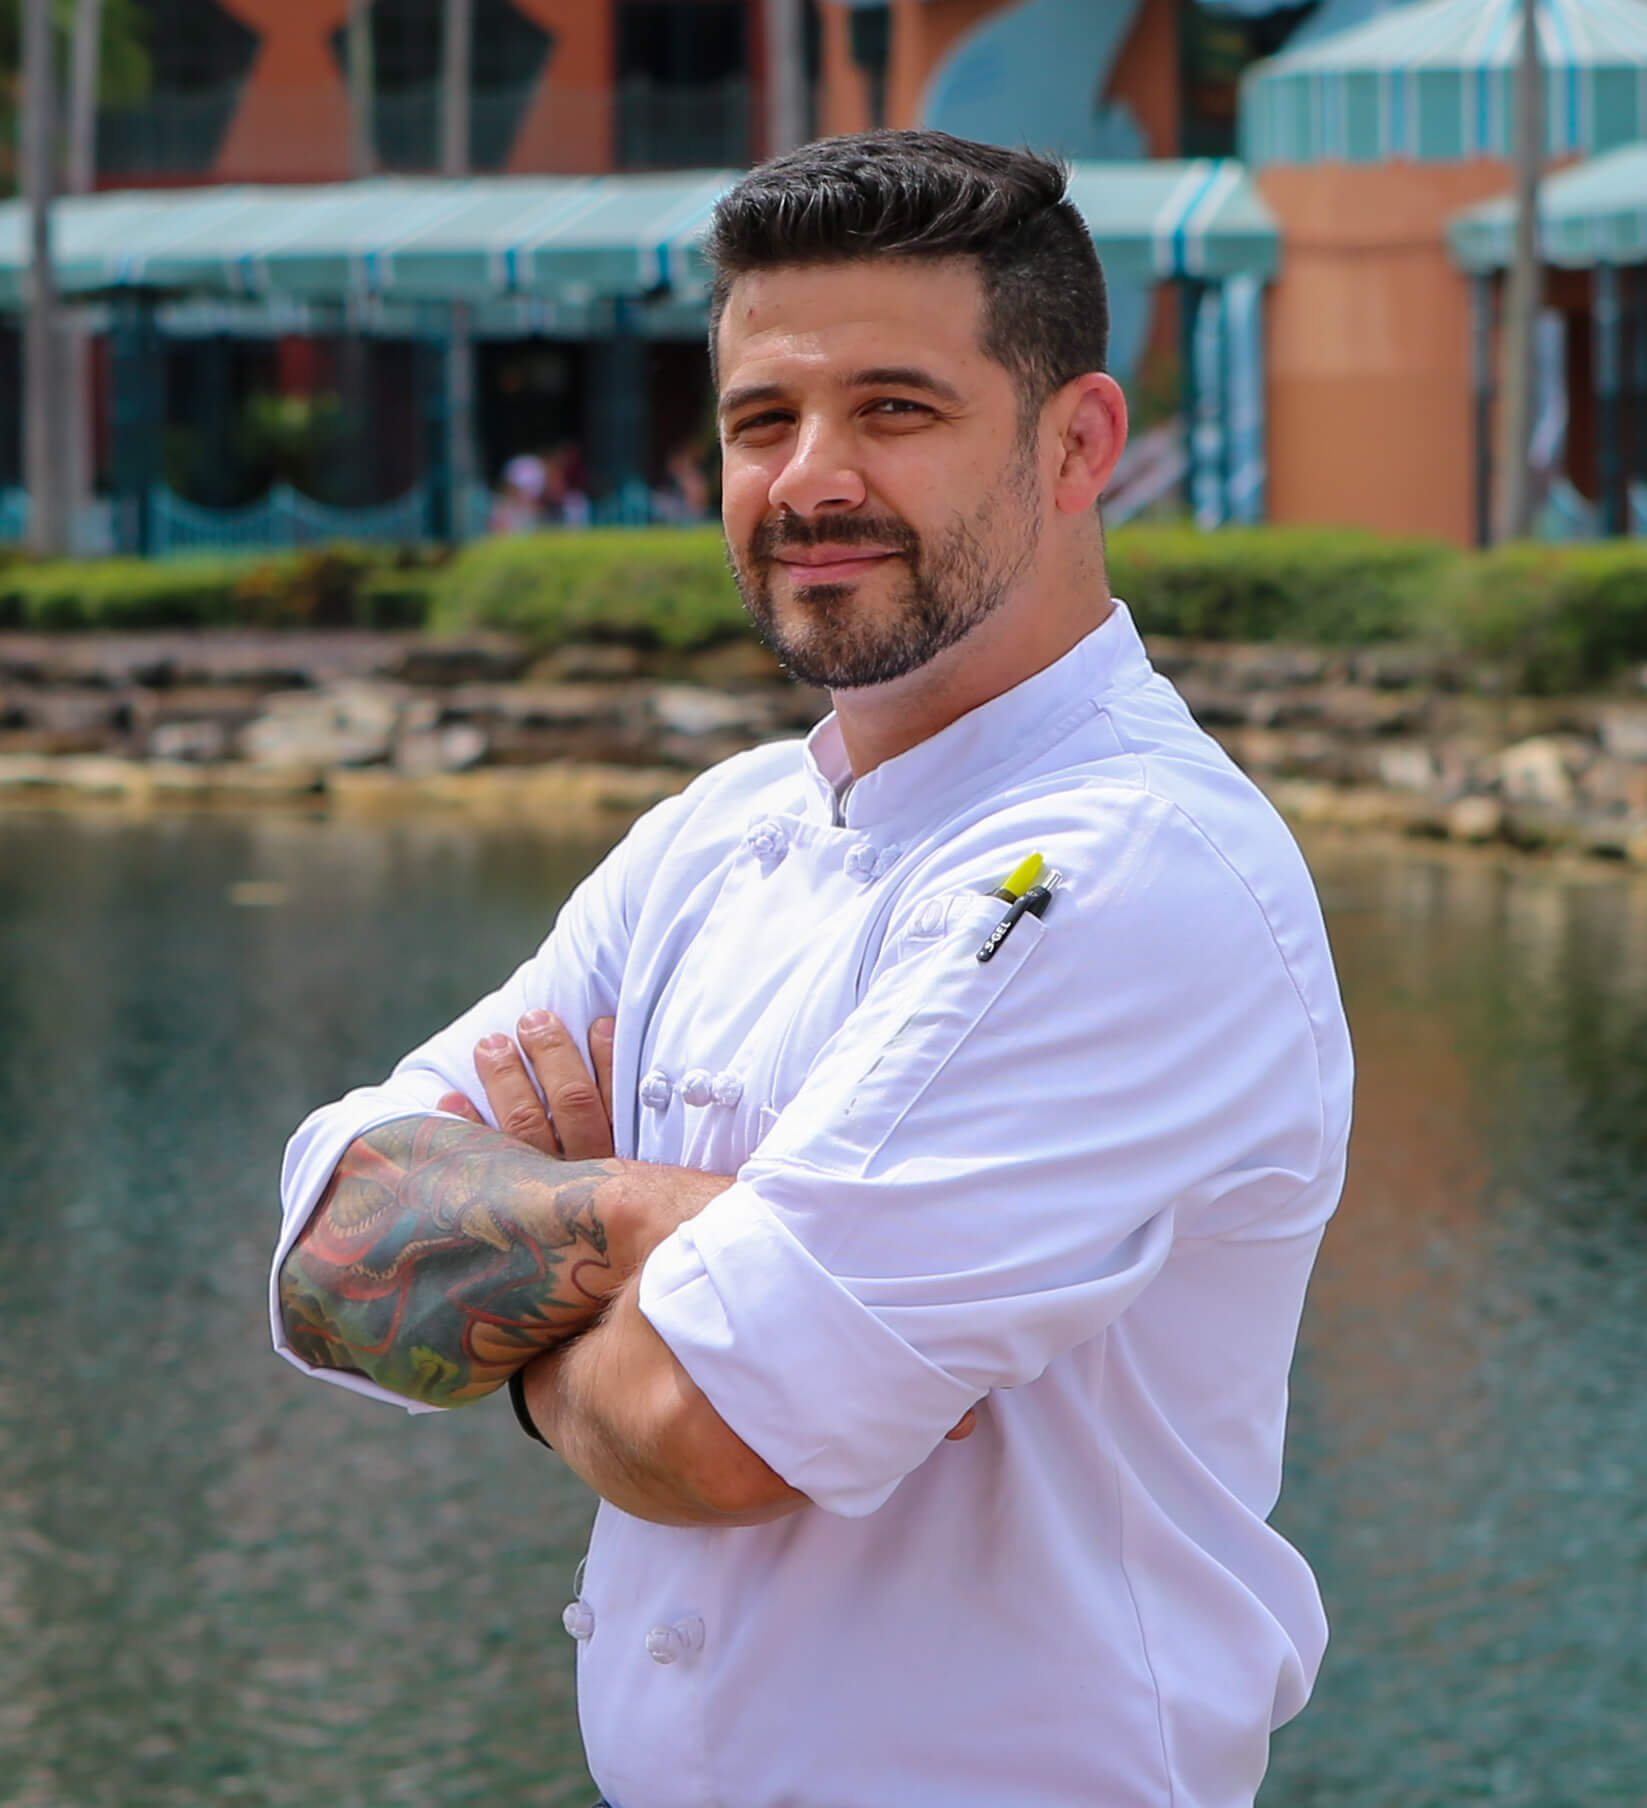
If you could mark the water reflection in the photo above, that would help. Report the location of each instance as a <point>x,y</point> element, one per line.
<point>1468,1464</point>
<point>218,1581</point>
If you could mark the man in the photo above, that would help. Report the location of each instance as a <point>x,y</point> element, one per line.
<point>927,1335</point>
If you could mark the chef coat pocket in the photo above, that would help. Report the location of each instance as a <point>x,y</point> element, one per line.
<point>919,1013</point>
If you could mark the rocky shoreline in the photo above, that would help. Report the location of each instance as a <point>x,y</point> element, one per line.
<point>351,722</point>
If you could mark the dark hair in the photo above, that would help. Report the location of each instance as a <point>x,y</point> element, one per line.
<point>928,195</point>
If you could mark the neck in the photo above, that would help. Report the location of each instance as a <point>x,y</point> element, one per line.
<point>880,721</point>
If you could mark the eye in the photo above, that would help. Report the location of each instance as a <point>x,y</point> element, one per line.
<point>755,425</point>
<point>897,411</point>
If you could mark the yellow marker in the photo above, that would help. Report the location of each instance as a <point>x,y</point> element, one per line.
<point>1019,880</point>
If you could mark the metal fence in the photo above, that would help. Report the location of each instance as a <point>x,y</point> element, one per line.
<point>285,518</point>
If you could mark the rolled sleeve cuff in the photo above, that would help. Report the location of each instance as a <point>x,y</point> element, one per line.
<point>799,1368</point>
<point>311,1159</point>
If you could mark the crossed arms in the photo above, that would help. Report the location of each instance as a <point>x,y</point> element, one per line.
<point>444,1255</point>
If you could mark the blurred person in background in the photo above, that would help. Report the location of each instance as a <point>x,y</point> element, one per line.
<point>518,506</point>
<point>893,1184</point>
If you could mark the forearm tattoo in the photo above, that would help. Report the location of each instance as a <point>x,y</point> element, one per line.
<point>442,1256</point>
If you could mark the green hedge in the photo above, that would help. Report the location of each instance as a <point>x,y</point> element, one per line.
<point>1553,618</point>
<point>335,586</point>
<point>672,589</point>
<point>1333,586</point>
<point>1548,618</point>
<point>661,587</point>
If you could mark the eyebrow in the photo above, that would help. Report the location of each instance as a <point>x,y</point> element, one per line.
<point>888,376</point>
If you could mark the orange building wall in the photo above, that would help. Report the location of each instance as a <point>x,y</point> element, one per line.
<point>292,124</point>
<point>1369,347</point>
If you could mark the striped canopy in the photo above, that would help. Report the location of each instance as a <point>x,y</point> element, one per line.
<point>1594,213</point>
<point>562,240</point>
<point>1435,81</point>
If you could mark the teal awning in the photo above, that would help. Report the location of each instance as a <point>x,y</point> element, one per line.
<point>1198,217</point>
<point>566,241</point>
<point>1434,81</point>
<point>569,239</point>
<point>1594,213</point>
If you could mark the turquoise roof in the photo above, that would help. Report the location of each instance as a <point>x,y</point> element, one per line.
<point>1593,213</point>
<point>563,240</point>
<point>1434,81</point>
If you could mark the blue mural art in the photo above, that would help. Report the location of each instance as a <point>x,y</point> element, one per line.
<point>1036,74</point>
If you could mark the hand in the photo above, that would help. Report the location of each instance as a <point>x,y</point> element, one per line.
<point>576,1124</point>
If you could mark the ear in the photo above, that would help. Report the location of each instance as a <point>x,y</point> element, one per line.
<point>1090,416</point>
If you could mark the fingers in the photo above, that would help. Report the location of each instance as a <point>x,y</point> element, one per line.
<point>459,1106</point>
<point>963,1427</point>
<point>601,1035</point>
<point>514,1099</point>
<point>578,1104</point>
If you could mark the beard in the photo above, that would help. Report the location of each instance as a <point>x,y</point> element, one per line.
<point>970,568</point>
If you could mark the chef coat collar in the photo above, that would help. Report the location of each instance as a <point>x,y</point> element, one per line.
<point>1008,729</point>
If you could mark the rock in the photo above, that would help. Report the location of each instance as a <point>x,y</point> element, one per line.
<point>477,659</point>
<point>1623,732</point>
<point>1539,771</point>
<point>188,740</point>
<point>687,709</point>
<point>588,660</point>
<point>1266,666</point>
<point>735,663</point>
<point>1617,787</point>
<point>1409,767</point>
<point>1360,710</point>
<point>25,771</point>
<point>84,713</point>
<point>1401,668</point>
<point>546,705</point>
<point>452,748</point>
<point>347,724</point>
<point>1475,819</point>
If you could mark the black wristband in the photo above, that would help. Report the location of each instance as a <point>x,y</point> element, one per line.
<point>517,1399</point>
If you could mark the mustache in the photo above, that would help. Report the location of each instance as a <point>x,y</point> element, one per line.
<point>834,530</point>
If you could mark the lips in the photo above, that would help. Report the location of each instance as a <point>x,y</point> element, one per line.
<point>833,564</point>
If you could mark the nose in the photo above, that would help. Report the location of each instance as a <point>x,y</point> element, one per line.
<point>821,475</point>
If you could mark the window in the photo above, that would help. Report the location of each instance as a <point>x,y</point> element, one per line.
<point>506,63</point>
<point>683,95</point>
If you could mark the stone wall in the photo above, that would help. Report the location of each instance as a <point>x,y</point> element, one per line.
<point>1378,737</point>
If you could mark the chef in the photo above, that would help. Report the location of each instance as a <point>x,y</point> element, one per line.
<point>893,1184</point>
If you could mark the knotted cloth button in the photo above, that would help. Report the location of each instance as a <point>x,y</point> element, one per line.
<point>768,840</point>
<point>860,862</point>
<point>929,919</point>
<point>669,1644</point>
<point>697,1086</point>
<point>726,1089</point>
<point>655,1089</point>
<point>579,1620</point>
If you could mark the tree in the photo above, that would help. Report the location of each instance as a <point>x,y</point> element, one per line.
<point>1513,516</point>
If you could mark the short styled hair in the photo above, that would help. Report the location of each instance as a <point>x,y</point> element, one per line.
<point>907,194</point>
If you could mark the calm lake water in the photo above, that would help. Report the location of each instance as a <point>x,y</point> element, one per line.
<point>219,1582</point>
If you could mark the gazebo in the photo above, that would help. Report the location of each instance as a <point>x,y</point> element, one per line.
<point>1365,144</point>
<point>1593,237</point>
<point>614,257</point>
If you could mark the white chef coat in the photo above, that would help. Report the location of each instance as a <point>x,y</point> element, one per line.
<point>1082,1184</point>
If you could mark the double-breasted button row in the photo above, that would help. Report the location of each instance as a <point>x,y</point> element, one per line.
<point>768,839</point>
<point>697,1086</point>
<point>864,861</point>
<point>670,1644</point>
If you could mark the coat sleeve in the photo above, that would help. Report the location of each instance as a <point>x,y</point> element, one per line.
<point>576,973</point>
<point>989,1162</point>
